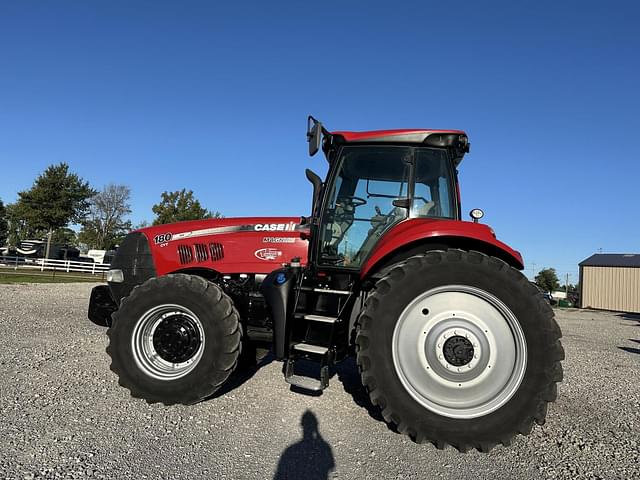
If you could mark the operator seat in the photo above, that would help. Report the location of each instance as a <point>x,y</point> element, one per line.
<point>424,210</point>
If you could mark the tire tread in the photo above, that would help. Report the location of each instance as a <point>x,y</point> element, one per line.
<point>553,371</point>
<point>231,342</point>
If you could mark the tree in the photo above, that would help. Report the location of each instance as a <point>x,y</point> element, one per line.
<point>178,206</point>
<point>106,223</point>
<point>4,226</point>
<point>18,228</point>
<point>64,236</point>
<point>547,279</point>
<point>56,199</point>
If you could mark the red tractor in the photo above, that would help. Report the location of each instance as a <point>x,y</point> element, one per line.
<point>453,343</point>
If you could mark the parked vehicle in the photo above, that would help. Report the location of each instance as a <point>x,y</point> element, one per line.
<point>545,294</point>
<point>453,343</point>
<point>101,256</point>
<point>37,249</point>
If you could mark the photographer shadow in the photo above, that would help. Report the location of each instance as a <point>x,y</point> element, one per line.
<point>310,459</point>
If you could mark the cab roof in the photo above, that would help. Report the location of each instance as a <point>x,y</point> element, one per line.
<point>455,140</point>
<point>406,135</point>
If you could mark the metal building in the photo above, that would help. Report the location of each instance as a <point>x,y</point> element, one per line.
<point>610,281</point>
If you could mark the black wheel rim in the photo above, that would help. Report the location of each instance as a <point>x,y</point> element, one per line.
<point>176,338</point>
<point>458,351</point>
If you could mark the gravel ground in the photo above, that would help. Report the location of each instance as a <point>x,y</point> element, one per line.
<point>63,414</point>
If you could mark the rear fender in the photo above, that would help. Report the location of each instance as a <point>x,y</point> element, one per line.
<point>415,236</point>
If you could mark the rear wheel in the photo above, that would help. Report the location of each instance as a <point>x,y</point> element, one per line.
<point>175,339</point>
<point>458,348</point>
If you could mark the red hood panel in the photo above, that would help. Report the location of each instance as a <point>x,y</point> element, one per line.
<point>227,245</point>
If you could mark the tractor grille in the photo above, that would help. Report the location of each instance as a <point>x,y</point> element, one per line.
<point>217,252</point>
<point>202,255</point>
<point>200,252</point>
<point>185,253</point>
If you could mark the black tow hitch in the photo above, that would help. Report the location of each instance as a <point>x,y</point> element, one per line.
<point>101,306</point>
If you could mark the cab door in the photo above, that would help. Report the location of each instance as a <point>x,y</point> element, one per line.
<point>359,204</point>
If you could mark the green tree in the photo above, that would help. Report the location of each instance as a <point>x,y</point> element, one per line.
<point>4,225</point>
<point>106,223</point>
<point>178,206</point>
<point>65,236</point>
<point>547,279</point>
<point>18,228</point>
<point>56,199</point>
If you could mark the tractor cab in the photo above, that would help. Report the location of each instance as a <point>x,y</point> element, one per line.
<point>373,188</point>
<point>377,180</point>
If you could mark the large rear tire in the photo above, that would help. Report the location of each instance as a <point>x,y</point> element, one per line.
<point>458,348</point>
<point>174,339</point>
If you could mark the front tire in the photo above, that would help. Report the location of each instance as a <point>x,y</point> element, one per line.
<point>459,348</point>
<point>174,339</point>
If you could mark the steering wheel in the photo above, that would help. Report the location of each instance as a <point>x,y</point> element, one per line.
<point>355,201</point>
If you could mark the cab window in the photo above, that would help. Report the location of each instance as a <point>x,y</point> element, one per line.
<point>432,193</point>
<point>361,206</point>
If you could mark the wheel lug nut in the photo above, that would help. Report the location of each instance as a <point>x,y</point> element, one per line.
<point>439,345</point>
<point>440,356</point>
<point>459,369</point>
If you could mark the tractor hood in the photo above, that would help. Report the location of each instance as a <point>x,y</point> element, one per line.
<point>226,245</point>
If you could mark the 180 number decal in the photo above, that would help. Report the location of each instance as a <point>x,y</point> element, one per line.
<point>162,238</point>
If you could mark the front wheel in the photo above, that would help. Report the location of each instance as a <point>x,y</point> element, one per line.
<point>459,348</point>
<point>174,339</point>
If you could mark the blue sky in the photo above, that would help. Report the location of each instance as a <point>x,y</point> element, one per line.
<point>213,96</point>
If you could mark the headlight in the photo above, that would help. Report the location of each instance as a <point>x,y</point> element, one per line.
<point>115,276</point>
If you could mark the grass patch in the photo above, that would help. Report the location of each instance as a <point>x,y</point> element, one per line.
<point>7,276</point>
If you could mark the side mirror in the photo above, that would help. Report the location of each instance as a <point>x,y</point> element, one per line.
<point>314,135</point>
<point>402,202</point>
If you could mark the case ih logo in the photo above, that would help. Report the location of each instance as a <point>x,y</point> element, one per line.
<point>268,254</point>
<point>275,227</point>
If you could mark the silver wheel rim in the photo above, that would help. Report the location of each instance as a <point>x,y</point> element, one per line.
<point>435,373</point>
<point>144,352</point>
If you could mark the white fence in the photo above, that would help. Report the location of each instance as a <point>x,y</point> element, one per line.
<point>49,264</point>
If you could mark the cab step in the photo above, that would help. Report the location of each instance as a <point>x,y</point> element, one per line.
<point>305,382</point>
<point>308,348</point>
<point>316,318</point>
<point>325,290</point>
